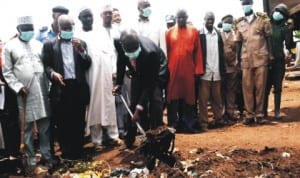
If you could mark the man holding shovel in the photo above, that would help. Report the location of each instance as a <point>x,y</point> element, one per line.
<point>142,57</point>
<point>23,70</point>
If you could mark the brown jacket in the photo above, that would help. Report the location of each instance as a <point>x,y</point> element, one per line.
<point>229,52</point>
<point>253,35</point>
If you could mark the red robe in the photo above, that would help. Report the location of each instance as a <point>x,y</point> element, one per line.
<point>184,61</point>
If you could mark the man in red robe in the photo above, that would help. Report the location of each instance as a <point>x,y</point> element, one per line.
<point>185,64</point>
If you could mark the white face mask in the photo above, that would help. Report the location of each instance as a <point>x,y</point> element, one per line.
<point>147,12</point>
<point>247,8</point>
<point>135,54</point>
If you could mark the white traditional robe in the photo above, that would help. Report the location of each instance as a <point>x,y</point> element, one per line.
<point>23,67</point>
<point>101,109</point>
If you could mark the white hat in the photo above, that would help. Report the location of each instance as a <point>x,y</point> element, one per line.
<point>25,20</point>
<point>106,7</point>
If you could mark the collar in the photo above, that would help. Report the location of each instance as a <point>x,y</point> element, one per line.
<point>250,17</point>
<point>206,32</point>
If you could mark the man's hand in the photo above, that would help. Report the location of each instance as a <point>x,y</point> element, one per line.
<point>77,44</point>
<point>116,90</point>
<point>271,63</point>
<point>58,78</point>
<point>24,92</point>
<point>136,115</point>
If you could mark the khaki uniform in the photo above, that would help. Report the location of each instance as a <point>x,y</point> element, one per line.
<point>254,60</point>
<point>229,84</point>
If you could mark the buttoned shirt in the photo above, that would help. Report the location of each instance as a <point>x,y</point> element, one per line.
<point>68,60</point>
<point>212,71</point>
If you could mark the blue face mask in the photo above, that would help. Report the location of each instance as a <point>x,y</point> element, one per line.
<point>26,36</point>
<point>147,12</point>
<point>66,35</point>
<point>135,54</point>
<point>247,8</point>
<point>227,27</point>
<point>277,16</point>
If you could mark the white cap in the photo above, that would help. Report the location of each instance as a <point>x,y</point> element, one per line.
<point>25,20</point>
<point>106,7</point>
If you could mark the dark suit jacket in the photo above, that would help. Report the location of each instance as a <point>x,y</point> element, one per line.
<point>221,52</point>
<point>53,62</point>
<point>147,73</point>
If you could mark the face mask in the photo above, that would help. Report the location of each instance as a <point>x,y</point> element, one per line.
<point>134,54</point>
<point>147,12</point>
<point>66,35</point>
<point>247,8</point>
<point>27,36</point>
<point>227,27</point>
<point>277,16</point>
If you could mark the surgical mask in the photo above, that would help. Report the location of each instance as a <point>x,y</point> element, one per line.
<point>66,35</point>
<point>147,12</point>
<point>227,27</point>
<point>27,36</point>
<point>135,54</point>
<point>277,16</point>
<point>247,8</point>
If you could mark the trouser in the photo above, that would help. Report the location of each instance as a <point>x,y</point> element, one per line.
<point>156,108</point>
<point>44,136</point>
<point>239,98</point>
<point>70,113</point>
<point>9,118</point>
<point>254,83</point>
<point>210,89</point>
<point>229,86</point>
<point>179,111</point>
<point>97,133</point>
<point>275,78</point>
<point>120,108</point>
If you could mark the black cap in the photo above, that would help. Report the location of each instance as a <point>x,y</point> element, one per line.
<point>60,9</point>
<point>227,16</point>
<point>283,9</point>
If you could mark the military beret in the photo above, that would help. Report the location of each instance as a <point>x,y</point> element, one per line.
<point>60,9</point>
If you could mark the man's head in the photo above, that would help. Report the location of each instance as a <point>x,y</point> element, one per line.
<point>181,17</point>
<point>87,19</point>
<point>144,8</point>
<point>247,6</point>
<point>170,21</point>
<point>116,16</point>
<point>130,43</point>
<point>25,28</point>
<point>280,12</point>
<point>56,12</point>
<point>209,20</point>
<point>66,27</point>
<point>227,21</point>
<point>106,15</point>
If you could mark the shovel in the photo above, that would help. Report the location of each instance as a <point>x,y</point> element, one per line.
<point>131,130</point>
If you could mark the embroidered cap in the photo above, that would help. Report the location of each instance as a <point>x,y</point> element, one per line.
<point>25,20</point>
<point>106,8</point>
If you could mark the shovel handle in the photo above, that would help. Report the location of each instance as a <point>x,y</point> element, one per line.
<point>131,115</point>
<point>22,125</point>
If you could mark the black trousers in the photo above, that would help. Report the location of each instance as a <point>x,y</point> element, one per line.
<point>9,118</point>
<point>275,78</point>
<point>69,114</point>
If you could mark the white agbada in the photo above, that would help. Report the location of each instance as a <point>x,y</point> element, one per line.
<point>101,109</point>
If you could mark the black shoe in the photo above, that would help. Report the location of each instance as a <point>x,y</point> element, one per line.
<point>249,121</point>
<point>111,143</point>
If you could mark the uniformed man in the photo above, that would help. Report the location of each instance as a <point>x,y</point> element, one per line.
<point>253,32</point>
<point>230,77</point>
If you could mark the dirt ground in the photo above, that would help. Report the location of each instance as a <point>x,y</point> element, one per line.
<point>271,150</point>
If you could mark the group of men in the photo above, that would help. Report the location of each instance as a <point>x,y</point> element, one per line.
<point>69,86</point>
